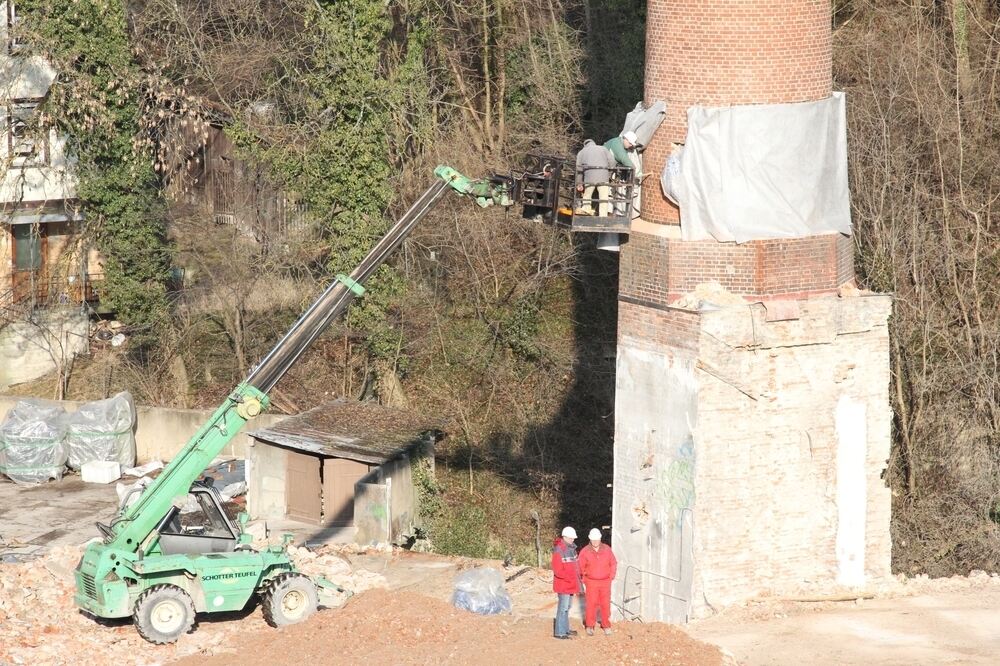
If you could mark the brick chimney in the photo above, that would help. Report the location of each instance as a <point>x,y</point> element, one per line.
<point>750,435</point>
<point>720,53</point>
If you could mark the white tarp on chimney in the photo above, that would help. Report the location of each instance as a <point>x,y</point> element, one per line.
<point>765,171</point>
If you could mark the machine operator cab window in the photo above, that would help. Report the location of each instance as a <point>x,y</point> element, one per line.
<point>206,530</point>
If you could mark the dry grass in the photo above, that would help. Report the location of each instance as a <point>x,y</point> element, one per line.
<point>924,114</point>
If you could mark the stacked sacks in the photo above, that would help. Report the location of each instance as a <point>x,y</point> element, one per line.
<point>33,442</point>
<point>38,438</point>
<point>102,430</point>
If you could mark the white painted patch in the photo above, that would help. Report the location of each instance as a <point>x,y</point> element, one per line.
<point>852,490</point>
<point>218,601</point>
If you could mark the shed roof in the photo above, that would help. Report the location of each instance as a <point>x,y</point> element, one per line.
<point>363,431</point>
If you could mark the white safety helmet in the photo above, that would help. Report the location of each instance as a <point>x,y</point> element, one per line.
<point>595,534</point>
<point>569,532</point>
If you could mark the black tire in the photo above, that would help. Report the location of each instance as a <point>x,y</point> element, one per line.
<point>163,613</point>
<point>289,599</point>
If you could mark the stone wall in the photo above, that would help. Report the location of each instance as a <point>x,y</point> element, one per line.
<point>751,462</point>
<point>32,349</point>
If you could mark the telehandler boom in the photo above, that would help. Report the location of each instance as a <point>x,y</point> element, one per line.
<point>151,567</point>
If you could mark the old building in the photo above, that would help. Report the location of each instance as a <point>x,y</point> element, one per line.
<point>47,270</point>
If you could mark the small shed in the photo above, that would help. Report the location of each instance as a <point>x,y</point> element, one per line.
<point>344,465</point>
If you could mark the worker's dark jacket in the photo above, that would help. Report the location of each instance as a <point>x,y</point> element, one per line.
<point>593,163</point>
<point>565,568</point>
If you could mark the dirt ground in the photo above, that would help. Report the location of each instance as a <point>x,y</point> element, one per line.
<point>391,622</point>
<point>396,627</point>
<point>914,621</point>
<point>405,617</point>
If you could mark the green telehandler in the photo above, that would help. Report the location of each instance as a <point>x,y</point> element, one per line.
<point>160,572</point>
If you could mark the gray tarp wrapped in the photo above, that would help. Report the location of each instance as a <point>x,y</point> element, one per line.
<point>33,442</point>
<point>644,122</point>
<point>102,430</point>
<point>764,171</point>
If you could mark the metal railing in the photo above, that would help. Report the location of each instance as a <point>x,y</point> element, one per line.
<point>20,301</point>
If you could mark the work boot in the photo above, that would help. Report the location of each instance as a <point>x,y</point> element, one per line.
<point>590,631</point>
<point>564,637</point>
<point>607,631</point>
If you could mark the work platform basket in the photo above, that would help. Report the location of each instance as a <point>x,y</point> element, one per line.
<point>549,188</point>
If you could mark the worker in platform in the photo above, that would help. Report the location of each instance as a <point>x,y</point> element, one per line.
<point>565,580</point>
<point>593,175</point>
<point>623,149</point>
<point>598,567</point>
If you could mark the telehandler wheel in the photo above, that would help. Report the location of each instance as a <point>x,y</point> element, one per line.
<point>289,599</point>
<point>163,613</point>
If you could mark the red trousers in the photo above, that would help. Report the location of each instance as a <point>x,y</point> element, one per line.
<point>598,595</point>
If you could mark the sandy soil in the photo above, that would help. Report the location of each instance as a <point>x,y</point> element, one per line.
<point>943,621</point>
<point>398,627</point>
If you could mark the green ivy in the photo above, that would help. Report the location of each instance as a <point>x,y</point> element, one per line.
<point>518,329</point>
<point>338,163</point>
<point>97,101</point>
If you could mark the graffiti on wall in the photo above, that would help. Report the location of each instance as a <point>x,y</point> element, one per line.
<point>674,488</point>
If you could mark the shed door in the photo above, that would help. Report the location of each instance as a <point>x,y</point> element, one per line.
<point>339,477</point>
<point>302,490</point>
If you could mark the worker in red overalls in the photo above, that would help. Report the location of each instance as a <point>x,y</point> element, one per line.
<point>598,567</point>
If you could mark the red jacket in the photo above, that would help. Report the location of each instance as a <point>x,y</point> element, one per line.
<point>565,568</point>
<point>598,564</point>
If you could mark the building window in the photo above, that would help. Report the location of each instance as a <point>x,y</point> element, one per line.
<point>15,43</point>
<point>26,144</point>
<point>27,247</point>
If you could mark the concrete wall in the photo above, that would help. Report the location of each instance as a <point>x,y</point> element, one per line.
<point>404,505</point>
<point>161,431</point>
<point>655,411</point>
<point>749,453</point>
<point>30,349</point>
<point>267,467</point>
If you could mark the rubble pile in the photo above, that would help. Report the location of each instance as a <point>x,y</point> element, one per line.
<point>39,624</point>
<point>336,568</point>
<point>405,627</point>
<point>42,626</point>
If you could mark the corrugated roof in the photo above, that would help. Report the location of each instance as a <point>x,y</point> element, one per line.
<point>363,431</point>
